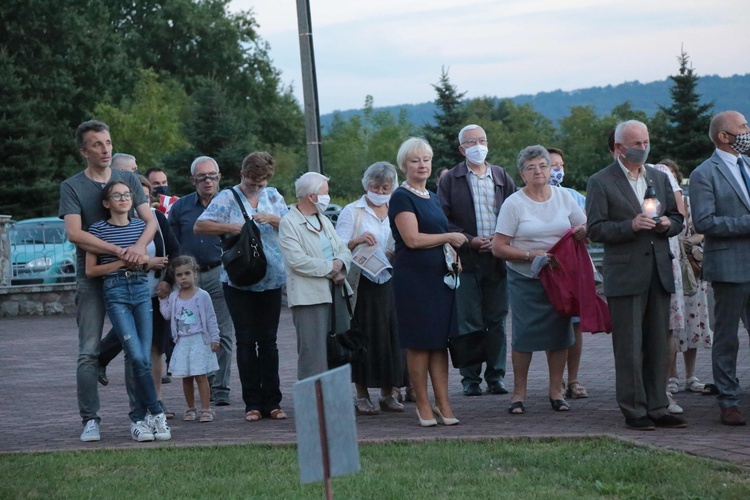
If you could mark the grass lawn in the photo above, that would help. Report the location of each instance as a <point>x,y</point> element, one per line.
<point>560,468</point>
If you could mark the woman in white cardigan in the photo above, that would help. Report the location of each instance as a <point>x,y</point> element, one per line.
<point>314,257</point>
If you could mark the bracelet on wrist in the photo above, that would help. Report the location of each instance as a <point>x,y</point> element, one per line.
<point>528,256</point>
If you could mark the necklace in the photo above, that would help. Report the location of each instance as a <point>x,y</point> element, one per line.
<point>423,194</point>
<point>316,229</point>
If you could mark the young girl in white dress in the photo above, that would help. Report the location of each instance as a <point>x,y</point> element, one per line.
<point>196,335</point>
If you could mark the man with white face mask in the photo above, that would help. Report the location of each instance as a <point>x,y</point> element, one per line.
<point>471,194</point>
<point>720,206</point>
<point>638,278</point>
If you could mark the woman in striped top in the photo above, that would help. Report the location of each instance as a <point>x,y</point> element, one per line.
<point>128,303</point>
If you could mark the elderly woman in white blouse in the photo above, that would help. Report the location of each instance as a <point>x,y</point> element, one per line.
<point>364,224</point>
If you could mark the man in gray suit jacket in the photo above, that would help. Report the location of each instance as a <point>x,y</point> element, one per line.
<point>638,278</point>
<point>720,207</point>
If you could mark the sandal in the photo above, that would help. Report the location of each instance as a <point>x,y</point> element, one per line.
<point>277,414</point>
<point>673,407</point>
<point>189,415</point>
<point>673,385</point>
<point>710,390</point>
<point>410,396</point>
<point>390,403</point>
<point>516,408</point>
<point>253,416</point>
<point>576,390</point>
<point>364,406</point>
<point>694,385</point>
<point>207,416</point>
<point>167,413</point>
<point>559,404</point>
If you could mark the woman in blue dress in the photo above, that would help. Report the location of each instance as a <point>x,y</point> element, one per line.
<point>425,305</point>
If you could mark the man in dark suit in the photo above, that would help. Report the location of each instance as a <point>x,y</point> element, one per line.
<point>638,278</point>
<point>720,207</point>
<point>471,194</point>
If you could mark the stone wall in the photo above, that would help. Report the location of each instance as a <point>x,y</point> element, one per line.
<point>38,300</point>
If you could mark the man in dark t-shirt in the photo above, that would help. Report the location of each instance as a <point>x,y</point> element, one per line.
<point>81,206</point>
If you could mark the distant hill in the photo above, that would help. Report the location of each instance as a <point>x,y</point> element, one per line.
<point>731,92</point>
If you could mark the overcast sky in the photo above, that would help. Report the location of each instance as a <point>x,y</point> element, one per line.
<point>394,49</point>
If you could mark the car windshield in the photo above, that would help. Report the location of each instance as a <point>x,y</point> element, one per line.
<point>37,234</point>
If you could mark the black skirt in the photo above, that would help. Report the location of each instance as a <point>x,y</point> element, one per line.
<point>375,314</point>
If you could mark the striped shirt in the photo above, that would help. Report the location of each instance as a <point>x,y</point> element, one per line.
<point>122,236</point>
<point>483,193</point>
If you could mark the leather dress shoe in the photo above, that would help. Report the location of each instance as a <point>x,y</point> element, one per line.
<point>472,389</point>
<point>640,424</point>
<point>731,415</point>
<point>670,421</point>
<point>497,387</point>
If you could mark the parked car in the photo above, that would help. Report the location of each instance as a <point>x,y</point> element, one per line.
<point>40,252</point>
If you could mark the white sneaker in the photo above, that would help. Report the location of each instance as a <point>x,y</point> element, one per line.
<point>91,432</point>
<point>159,427</point>
<point>141,431</point>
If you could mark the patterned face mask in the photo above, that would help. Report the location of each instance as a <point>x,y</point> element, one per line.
<point>556,176</point>
<point>741,142</point>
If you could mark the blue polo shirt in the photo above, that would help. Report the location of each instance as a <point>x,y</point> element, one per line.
<point>182,217</point>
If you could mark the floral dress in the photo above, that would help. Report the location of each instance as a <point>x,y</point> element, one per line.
<point>697,331</point>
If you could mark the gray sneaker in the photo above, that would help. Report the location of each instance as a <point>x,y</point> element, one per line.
<point>159,427</point>
<point>91,432</point>
<point>141,432</point>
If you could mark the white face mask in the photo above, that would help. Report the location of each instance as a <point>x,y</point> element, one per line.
<point>378,199</point>
<point>476,154</point>
<point>556,176</point>
<point>322,203</point>
<point>452,280</point>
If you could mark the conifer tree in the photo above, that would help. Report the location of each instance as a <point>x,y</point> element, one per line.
<point>449,119</point>
<point>682,132</point>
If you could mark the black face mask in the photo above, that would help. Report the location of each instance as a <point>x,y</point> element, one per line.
<point>161,190</point>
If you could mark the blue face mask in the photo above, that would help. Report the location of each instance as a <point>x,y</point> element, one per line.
<point>556,176</point>
<point>161,190</point>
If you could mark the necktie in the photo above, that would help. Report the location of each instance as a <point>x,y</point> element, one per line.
<point>745,176</point>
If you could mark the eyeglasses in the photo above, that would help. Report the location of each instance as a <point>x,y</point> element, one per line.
<point>474,142</point>
<point>541,167</point>
<point>121,196</point>
<point>203,178</point>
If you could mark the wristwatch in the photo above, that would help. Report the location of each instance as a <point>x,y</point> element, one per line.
<point>527,256</point>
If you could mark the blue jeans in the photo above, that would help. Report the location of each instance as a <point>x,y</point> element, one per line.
<point>256,321</point>
<point>129,309</point>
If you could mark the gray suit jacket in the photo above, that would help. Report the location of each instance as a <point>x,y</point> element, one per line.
<point>611,206</point>
<point>722,214</point>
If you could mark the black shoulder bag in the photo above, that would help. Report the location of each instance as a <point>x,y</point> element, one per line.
<point>243,257</point>
<point>470,348</point>
<point>348,346</point>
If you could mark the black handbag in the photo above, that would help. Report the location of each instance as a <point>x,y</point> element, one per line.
<point>467,349</point>
<point>243,257</point>
<point>348,346</point>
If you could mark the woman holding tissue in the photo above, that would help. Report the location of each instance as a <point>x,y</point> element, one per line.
<point>531,221</point>
<point>362,225</point>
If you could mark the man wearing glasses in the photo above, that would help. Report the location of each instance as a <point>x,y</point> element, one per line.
<point>205,176</point>
<point>471,194</point>
<point>80,206</point>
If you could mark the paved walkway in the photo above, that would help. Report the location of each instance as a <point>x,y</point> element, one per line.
<point>39,410</point>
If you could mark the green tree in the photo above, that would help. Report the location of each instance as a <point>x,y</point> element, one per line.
<point>682,132</point>
<point>27,189</point>
<point>148,123</point>
<point>450,118</point>
<point>522,126</point>
<point>215,127</point>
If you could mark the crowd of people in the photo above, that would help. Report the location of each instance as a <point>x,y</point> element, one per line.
<point>153,264</point>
